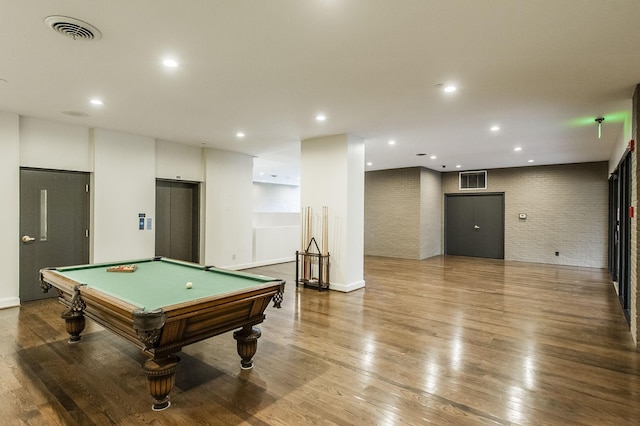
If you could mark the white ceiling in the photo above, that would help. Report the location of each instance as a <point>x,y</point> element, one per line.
<point>542,70</point>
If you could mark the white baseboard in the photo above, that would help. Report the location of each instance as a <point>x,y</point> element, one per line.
<point>9,302</point>
<point>346,288</point>
<point>259,263</point>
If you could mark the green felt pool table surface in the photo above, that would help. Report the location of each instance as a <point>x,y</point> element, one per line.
<point>158,283</point>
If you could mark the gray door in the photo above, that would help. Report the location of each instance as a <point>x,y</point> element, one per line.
<point>177,220</point>
<point>474,225</point>
<point>54,223</point>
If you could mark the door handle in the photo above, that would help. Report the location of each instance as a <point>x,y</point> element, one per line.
<point>27,239</point>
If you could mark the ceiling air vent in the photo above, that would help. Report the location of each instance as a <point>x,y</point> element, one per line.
<point>473,180</point>
<point>72,28</point>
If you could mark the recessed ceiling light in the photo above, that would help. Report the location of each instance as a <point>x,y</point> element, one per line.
<point>261,173</point>
<point>517,148</point>
<point>96,102</point>
<point>450,89</point>
<point>458,166</point>
<point>321,117</point>
<point>240,135</point>
<point>170,63</point>
<point>433,157</point>
<point>530,161</point>
<point>392,142</point>
<point>369,163</point>
<point>495,128</point>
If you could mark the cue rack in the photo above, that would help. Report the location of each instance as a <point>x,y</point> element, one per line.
<point>312,263</point>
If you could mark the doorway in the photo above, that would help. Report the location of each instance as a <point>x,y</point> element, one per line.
<point>620,232</point>
<point>54,225</point>
<point>178,220</point>
<point>474,225</point>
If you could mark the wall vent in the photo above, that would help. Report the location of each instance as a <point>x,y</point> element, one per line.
<point>473,180</point>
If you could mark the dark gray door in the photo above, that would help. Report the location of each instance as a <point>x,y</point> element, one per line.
<point>54,223</point>
<point>474,225</point>
<point>177,220</point>
<point>459,221</point>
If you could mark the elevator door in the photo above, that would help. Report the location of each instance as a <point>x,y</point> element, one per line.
<point>474,225</point>
<point>177,220</point>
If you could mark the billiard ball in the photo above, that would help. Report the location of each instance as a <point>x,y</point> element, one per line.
<point>189,284</point>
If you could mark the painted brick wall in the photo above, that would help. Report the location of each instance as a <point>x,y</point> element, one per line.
<point>431,209</point>
<point>392,210</point>
<point>566,208</point>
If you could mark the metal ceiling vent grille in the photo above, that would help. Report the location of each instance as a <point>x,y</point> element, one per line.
<point>72,28</point>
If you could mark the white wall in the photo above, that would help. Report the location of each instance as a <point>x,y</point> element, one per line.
<point>623,140</point>
<point>275,244</point>
<point>124,185</point>
<point>228,209</point>
<point>268,197</point>
<point>49,145</point>
<point>176,161</point>
<point>275,219</point>
<point>9,210</point>
<point>276,223</point>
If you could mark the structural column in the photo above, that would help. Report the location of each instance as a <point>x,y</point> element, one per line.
<point>333,176</point>
<point>10,209</point>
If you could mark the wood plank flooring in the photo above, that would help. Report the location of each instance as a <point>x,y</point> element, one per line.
<point>447,340</point>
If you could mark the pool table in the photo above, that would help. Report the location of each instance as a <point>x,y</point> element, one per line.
<point>149,302</point>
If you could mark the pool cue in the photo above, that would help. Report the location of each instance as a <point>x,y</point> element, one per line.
<point>325,242</point>
<point>307,259</point>
<point>304,242</point>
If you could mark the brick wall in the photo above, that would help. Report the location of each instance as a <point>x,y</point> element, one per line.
<point>431,200</point>
<point>392,210</point>
<point>566,208</point>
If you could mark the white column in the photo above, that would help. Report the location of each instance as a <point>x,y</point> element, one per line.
<point>9,210</point>
<point>228,209</point>
<point>333,175</point>
<point>124,186</point>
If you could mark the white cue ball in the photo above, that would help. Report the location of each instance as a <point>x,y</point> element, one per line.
<point>189,284</point>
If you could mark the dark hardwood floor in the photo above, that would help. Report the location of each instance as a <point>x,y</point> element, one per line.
<point>447,340</point>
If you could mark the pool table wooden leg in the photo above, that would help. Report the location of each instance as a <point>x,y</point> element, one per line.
<point>247,344</point>
<point>74,323</point>
<point>161,376</point>
<point>74,316</point>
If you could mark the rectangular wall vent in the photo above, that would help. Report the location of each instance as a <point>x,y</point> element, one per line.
<point>473,180</point>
